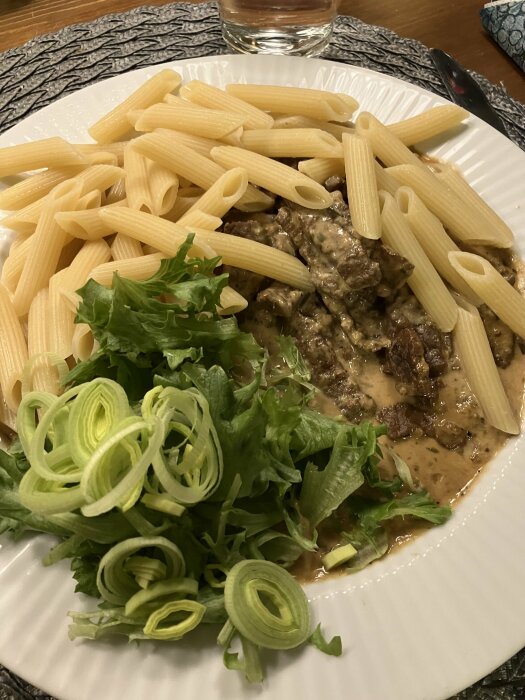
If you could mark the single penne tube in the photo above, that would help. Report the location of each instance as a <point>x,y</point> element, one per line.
<point>124,247</point>
<point>198,169</point>
<point>434,240</point>
<point>113,125</point>
<point>433,122</point>
<point>200,144</point>
<point>85,224</point>
<point>171,99</point>
<point>427,285</point>
<point>163,188</point>
<point>102,158</point>
<point>385,145</point>
<point>138,192</point>
<point>231,302</point>
<point>450,177</point>
<point>14,264</point>
<point>54,152</point>
<point>460,219</point>
<point>34,187</point>
<point>90,255</point>
<point>60,317</point>
<point>208,96</point>
<point>98,177</point>
<point>223,194</point>
<point>13,351</point>
<point>492,288</point>
<point>385,181</point>
<point>210,123</point>
<point>361,186</point>
<point>239,252</point>
<point>116,149</point>
<point>133,268</point>
<point>275,177</point>
<point>292,143</point>
<point>38,324</point>
<point>83,344</point>
<point>295,121</point>
<point>48,241</point>
<point>320,169</point>
<point>317,104</point>
<point>473,349</point>
<point>200,219</point>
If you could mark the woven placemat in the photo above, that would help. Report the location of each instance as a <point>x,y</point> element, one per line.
<point>51,66</point>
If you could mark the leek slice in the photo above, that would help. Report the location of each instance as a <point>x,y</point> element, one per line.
<point>116,584</point>
<point>282,624</point>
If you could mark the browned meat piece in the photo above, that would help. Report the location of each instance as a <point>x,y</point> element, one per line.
<point>501,338</point>
<point>314,336</point>
<point>335,183</point>
<point>395,269</point>
<point>403,420</point>
<point>437,348</point>
<point>405,310</point>
<point>405,359</point>
<point>280,299</point>
<point>263,229</point>
<point>449,434</point>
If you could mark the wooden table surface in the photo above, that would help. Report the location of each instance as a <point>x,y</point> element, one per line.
<point>452,26</point>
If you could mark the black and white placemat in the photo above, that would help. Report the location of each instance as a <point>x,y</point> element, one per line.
<point>51,66</point>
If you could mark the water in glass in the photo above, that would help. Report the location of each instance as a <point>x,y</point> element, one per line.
<point>300,27</point>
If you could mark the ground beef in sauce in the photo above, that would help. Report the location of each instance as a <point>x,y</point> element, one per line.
<point>362,308</point>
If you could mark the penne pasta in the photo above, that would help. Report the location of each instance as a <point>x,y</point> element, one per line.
<point>200,219</point>
<point>473,349</point>
<point>298,122</point>
<point>124,247</point>
<point>200,144</point>
<point>320,169</point>
<point>385,181</point>
<point>453,180</point>
<point>239,252</point>
<point>54,152</point>
<point>200,170</point>
<point>83,344</point>
<point>13,351</point>
<point>461,220</point>
<point>492,288</point>
<point>231,302</point>
<point>208,96</point>
<point>182,205</point>
<point>385,145</point>
<point>116,193</point>
<point>199,121</point>
<point>434,240</point>
<point>424,281</point>
<point>34,187</point>
<point>48,241</point>
<point>432,122</point>
<point>60,317</point>
<point>115,124</point>
<point>85,224</point>
<point>361,185</point>
<point>133,268</point>
<point>149,186</point>
<point>317,104</point>
<point>223,194</point>
<point>14,264</point>
<point>116,148</point>
<point>292,143</point>
<point>275,177</point>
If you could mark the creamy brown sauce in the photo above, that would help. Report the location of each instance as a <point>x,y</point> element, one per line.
<point>446,474</point>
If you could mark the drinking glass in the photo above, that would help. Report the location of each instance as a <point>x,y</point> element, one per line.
<point>293,27</point>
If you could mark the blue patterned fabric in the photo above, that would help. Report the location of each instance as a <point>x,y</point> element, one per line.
<point>505,22</point>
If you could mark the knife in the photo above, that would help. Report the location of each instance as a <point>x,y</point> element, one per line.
<point>464,90</point>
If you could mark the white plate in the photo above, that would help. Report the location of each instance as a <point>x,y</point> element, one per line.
<point>422,624</point>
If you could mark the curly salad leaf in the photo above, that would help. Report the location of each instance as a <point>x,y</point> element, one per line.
<point>183,475</point>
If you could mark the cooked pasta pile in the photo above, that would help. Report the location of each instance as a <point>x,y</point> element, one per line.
<point>125,202</point>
